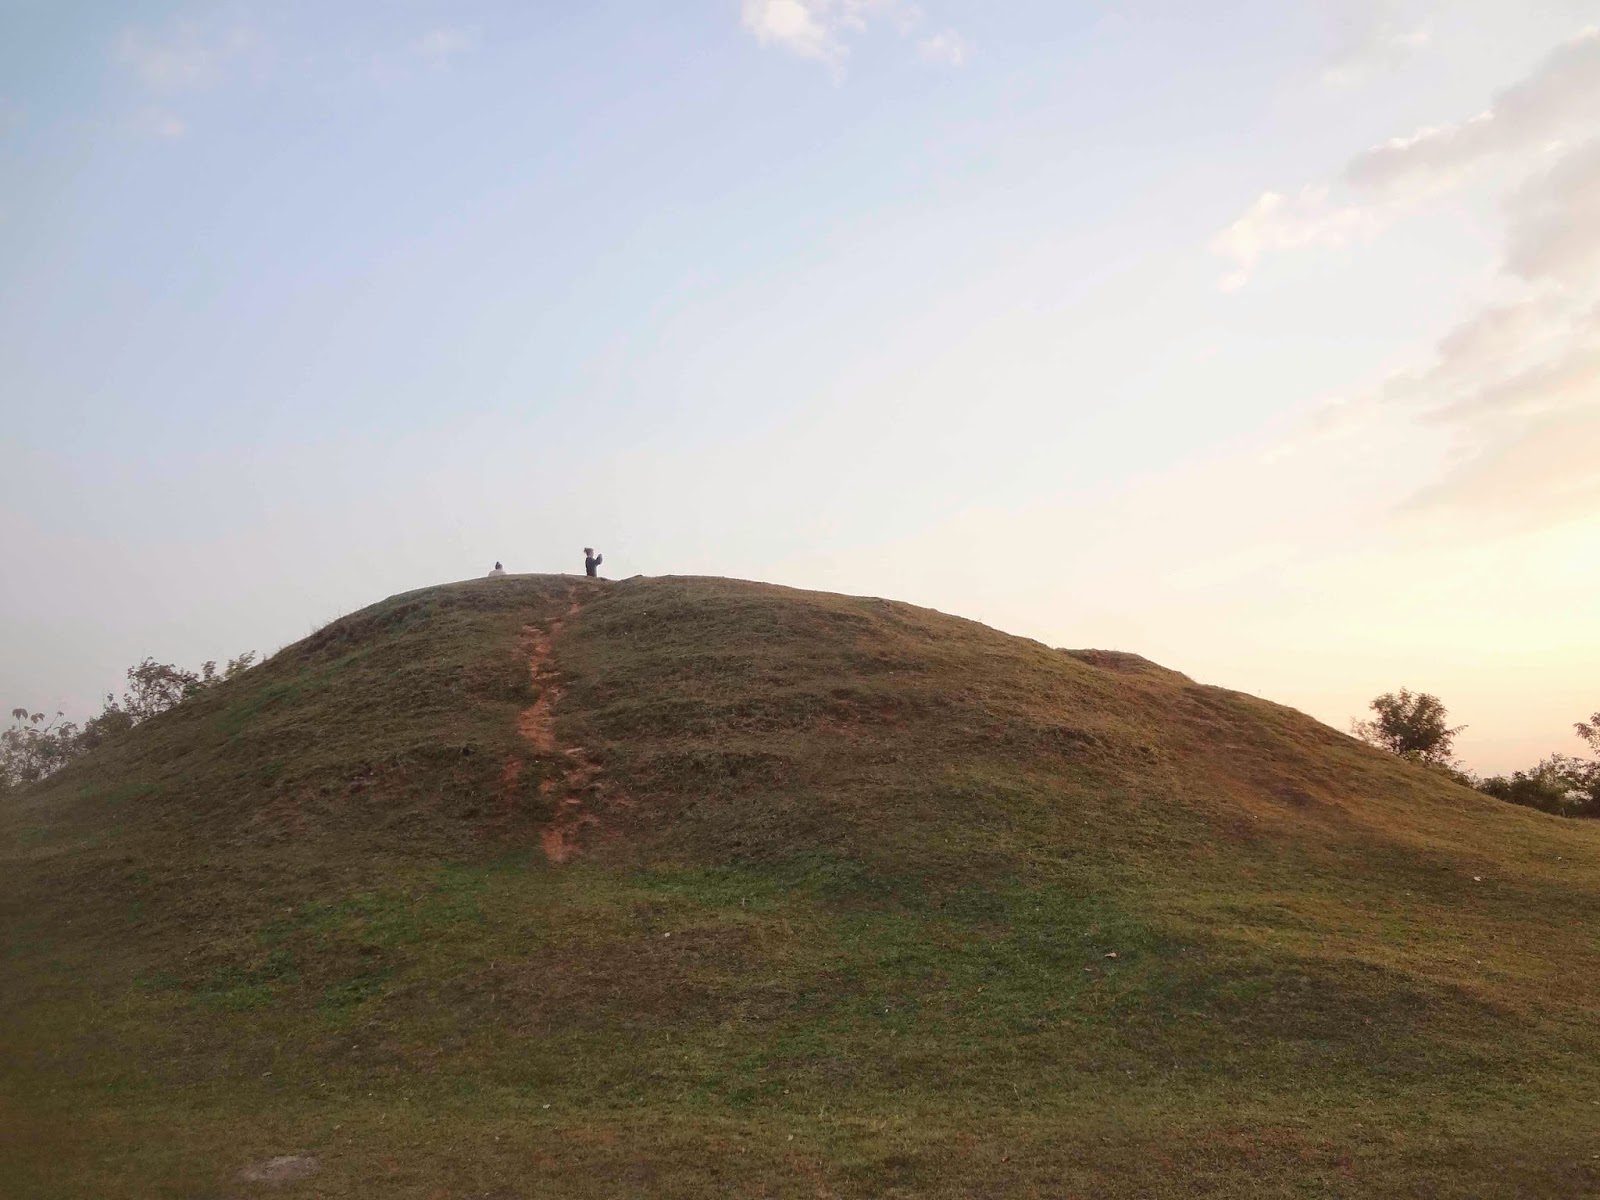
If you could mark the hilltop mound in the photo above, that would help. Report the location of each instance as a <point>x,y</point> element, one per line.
<point>551,886</point>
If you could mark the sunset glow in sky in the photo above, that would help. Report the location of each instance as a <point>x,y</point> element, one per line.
<point>1260,339</point>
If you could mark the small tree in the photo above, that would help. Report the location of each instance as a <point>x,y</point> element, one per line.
<point>113,719</point>
<point>157,687</point>
<point>33,748</point>
<point>1588,773</point>
<point>1413,725</point>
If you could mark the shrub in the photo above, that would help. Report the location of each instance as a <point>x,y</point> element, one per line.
<point>1559,784</point>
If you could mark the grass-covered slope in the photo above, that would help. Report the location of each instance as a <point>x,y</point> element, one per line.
<point>551,887</point>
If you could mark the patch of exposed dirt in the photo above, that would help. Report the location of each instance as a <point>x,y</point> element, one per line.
<point>282,814</point>
<point>537,723</point>
<point>286,1168</point>
<point>510,776</point>
<point>834,727</point>
<point>580,785</point>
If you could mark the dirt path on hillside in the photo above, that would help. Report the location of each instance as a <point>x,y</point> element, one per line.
<point>579,784</point>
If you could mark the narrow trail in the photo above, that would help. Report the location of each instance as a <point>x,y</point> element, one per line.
<point>579,782</point>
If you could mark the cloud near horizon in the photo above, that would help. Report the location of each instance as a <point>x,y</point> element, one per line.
<point>1515,387</point>
<point>1516,390</point>
<point>1380,185</point>
<point>1561,94</point>
<point>1545,473</point>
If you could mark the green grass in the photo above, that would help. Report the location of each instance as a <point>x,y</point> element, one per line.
<point>843,924</point>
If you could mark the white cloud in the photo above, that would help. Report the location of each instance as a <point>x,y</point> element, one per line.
<point>795,24</point>
<point>178,61</point>
<point>1562,93</point>
<point>817,29</point>
<point>182,59</point>
<point>1516,393</point>
<point>1500,342</point>
<point>1514,388</point>
<point>948,47</point>
<point>185,59</point>
<point>1558,218</point>
<point>1276,222</point>
<point>1499,335</point>
<point>1490,345</point>
<point>439,46</point>
<point>1517,387</point>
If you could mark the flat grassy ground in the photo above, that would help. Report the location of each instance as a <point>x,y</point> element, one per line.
<point>857,899</point>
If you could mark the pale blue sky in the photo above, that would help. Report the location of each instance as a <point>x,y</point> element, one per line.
<point>1093,321</point>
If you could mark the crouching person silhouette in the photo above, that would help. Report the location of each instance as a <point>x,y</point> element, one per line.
<point>591,562</point>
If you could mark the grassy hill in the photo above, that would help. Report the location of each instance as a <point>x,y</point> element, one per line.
<point>543,886</point>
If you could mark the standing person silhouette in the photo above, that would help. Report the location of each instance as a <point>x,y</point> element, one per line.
<point>591,562</point>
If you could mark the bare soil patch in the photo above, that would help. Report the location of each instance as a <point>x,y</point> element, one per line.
<point>580,782</point>
<point>286,1168</point>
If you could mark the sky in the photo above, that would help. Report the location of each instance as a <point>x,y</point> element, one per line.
<point>1259,339</point>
